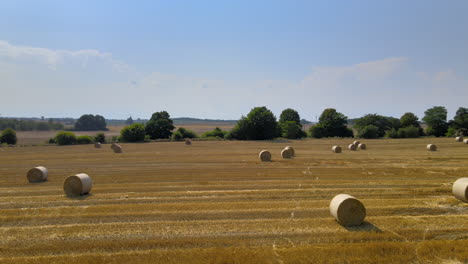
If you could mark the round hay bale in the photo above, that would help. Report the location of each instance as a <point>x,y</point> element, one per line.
<point>116,148</point>
<point>97,145</point>
<point>465,141</point>
<point>38,174</point>
<point>78,184</point>
<point>362,146</point>
<point>459,139</point>
<point>292,150</point>
<point>431,147</point>
<point>352,147</point>
<point>347,210</point>
<point>336,149</point>
<point>286,153</point>
<point>188,141</point>
<point>356,143</point>
<point>265,155</point>
<point>460,189</point>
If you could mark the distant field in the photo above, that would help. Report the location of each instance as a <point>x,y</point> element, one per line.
<point>40,137</point>
<point>214,202</point>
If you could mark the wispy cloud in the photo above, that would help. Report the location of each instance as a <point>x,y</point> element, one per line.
<point>85,81</point>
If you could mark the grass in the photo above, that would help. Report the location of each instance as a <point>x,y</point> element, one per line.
<point>214,202</point>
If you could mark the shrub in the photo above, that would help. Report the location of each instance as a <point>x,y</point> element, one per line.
<point>317,131</point>
<point>177,136</point>
<point>52,141</point>
<point>217,132</point>
<point>183,133</point>
<point>65,138</point>
<point>408,132</point>
<point>133,133</point>
<point>369,131</point>
<point>100,137</point>
<point>392,133</point>
<point>84,140</point>
<point>8,136</point>
<point>291,130</point>
<point>451,132</point>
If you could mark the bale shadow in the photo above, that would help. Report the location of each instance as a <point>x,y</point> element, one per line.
<point>365,226</point>
<point>79,197</point>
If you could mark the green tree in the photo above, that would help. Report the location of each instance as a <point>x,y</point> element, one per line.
<point>290,115</point>
<point>91,123</point>
<point>160,125</point>
<point>436,120</point>
<point>182,133</point>
<point>409,119</point>
<point>383,123</point>
<point>259,124</point>
<point>331,124</point>
<point>8,136</point>
<point>133,133</point>
<point>460,121</point>
<point>290,122</point>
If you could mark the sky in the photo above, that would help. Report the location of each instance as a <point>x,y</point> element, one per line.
<point>219,59</point>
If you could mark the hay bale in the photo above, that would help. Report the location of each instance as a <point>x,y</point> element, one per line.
<point>292,150</point>
<point>431,147</point>
<point>286,153</point>
<point>97,145</point>
<point>356,143</point>
<point>265,155</point>
<point>465,141</point>
<point>188,141</point>
<point>78,184</point>
<point>362,146</point>
<point>116,148</point>
<point>347,210</point>
<point>352,147</point>
<point>38,174</point>
<point>460,189</point>
<point>336,149</point>
<point>459,139</point>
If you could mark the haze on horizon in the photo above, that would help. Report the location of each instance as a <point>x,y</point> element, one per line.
<point>219,59</point>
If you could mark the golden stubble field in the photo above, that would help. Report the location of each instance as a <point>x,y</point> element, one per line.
<point>214,202</point>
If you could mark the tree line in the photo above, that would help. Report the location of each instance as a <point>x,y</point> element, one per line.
<point>260,124</point>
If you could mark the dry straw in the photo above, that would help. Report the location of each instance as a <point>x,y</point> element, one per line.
<point>188,141</point>
<point>37,174</point>
<point>286,153</point>
<point>292,150</point>
<point>459,139</point>
<point>265,155</point>
<point>97,145</point>
<point>356,143</point>
<point>116,148</point>
<point>465,141</point>
<point>352,147</point>
<point>460,189</point>
<point>362,146</point>
<point>347,210</point>
<point>336,149</point>
<point>78,184</point>
<point>431,147</point>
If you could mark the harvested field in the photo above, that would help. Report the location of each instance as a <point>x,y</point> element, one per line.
<point>216,202</point>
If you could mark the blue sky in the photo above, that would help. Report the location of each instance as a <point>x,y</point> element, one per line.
<point>218,59</point>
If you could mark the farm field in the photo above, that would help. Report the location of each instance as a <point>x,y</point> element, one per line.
<point>40,137</point>
<point>215,202</point>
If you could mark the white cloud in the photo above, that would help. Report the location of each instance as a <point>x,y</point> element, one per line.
<point>90,81</point>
